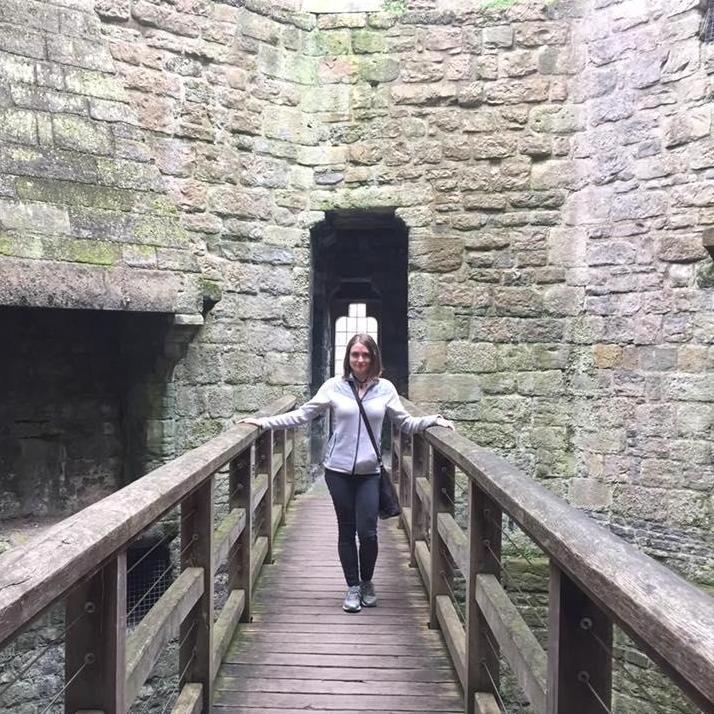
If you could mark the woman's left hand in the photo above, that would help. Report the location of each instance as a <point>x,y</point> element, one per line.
<point>440,421</point>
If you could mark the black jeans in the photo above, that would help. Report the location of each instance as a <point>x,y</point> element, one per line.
<point>356,501</point>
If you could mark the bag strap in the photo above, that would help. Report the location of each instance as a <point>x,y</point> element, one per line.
<point>366,423</point>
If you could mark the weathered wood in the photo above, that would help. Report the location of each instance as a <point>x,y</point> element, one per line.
<point>95,645</point>
<point>453,632</point>
<point>485,703</point>
<point>35,575</point>
<point>423,488</point>
<point>407,521</point>
<point>226,535</point>
<point>277,517</point>
<point>160,625</point>
<point>260,488</point>
<point>484,538</point>
<point>442,501</point>
<point>423,560</point>
<point>515,639</point>
<point>196,632</point>
<point>226,624</point>
<point>579,650</point>
<point>282,497</point>
<point>455,541</point>
<point>264,464</point>
<point>419,467</point>
<point>190,701</point>
<point>240,556</point>
<point>260,551</point>
<point>670,618</point>
<point>404,475</point>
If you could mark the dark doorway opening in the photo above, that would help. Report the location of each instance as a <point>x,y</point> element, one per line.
<point>360,282</point>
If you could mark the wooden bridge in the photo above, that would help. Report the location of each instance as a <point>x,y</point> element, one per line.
<point>280,643</point>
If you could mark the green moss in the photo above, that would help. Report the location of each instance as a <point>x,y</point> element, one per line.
<point>81,251</point>
<point>395,7</point>
<point>21,246</point>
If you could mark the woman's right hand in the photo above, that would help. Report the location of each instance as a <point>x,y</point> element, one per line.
<point>249,420</point>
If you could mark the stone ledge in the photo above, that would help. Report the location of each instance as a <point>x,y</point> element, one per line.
<point>39,283</point>
<point>342,6</point>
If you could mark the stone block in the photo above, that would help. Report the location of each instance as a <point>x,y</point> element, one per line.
<point>589,494</point>
<point>435,253</point>
<point>332,98</point>
<point>21,41</point>
<point>113,9</point>
<point>79,134</point>
<point>498,36</point>
<point>467,357</point>
<point>506,91</point>
<point>543,384</point>
<point>497,146</point>
<point>687,126</point>
<point>18,126</point>
<point>34,217</point>
<point>93,84</point>
<point>378,68</point>
<point>331,20</point>
<point>444,388</point>
<point>536,34</point>
<point>368,42</point>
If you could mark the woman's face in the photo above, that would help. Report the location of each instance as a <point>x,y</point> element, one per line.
<point>360,360</point>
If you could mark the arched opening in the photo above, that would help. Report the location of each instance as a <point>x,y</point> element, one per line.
<point>360,278</point>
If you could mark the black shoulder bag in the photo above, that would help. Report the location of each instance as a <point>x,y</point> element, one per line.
<point>388,502</point>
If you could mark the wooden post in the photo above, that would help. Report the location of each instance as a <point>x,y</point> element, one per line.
<point>290,464</point>
<point>420,468</point>
<point>442,501</point>
<point>484,538</point>
<point>404,484</point>
<point>196,634</point>
<point>396,466</point>
<point>96,643</point>
<point>264,464</point>
<point>282,476</point>
<point>579,650</point>
<point>239,559</point>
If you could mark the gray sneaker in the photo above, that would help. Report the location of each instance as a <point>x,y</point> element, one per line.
<point>367,594</point>
<point>352,600</point>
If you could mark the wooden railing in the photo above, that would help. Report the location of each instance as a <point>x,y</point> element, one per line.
<point>83,561</point>
<point>596,581</point>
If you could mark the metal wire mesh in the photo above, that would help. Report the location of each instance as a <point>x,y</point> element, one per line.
<point>147,583</point>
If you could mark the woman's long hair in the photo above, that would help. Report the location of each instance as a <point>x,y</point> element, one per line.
<point>375,363</point>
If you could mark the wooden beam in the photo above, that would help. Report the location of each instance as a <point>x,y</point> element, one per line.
<point>190,701</point>
<point>670,618</point>
<point>196,632</point>
<point>260,488</point>
<point>423,561</point>
<point>515,639</point>
<point>160,625</point>
<point>226,535</point>
<point>240,556</point>
<point>484,554</point>
<point>423,488</point>
<point>455,541</point>
<point>407,522</point>
<point>277,517</point>
<point>225,626</point>
<point>419,467</point>
<point>442,501</point>
<point>264,464</point>
<point>260,550</point>
<point>95,645</point>
<point>35,575</point>
<point>485,703</point>
<point>579,650</point>
<point>453,632</point>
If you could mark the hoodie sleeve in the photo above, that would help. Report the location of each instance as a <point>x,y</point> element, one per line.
<point>399,415</point>
<point>302,415</point>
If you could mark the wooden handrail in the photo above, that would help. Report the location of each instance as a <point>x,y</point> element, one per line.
<point>35,575</point>
<point>670,618</point>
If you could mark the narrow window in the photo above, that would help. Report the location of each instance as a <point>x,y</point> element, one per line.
<point>355,321</point>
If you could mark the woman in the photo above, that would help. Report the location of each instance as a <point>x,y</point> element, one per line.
<point>351,464</point>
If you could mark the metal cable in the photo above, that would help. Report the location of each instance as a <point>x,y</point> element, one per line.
<point>584,678</point>
<point>462,615</point>
<point>150,551</point>
<point>46,648</point>
<point>88,659</point>
<point>512,580</point>
<point>519,548</point>
<point>501,703</point>
<point>161,576</point>
<point>586,625</point>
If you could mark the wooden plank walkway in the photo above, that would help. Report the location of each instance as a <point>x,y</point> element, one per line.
<point>302,652</point>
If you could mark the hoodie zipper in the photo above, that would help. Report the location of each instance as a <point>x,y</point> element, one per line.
<point>359,425</point>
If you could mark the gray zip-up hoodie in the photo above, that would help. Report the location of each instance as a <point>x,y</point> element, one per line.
<point>349,449</point>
